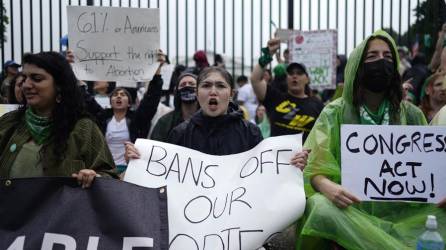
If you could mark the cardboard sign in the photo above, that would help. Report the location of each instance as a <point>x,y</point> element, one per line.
<point>394,163</point>
<point>284,35</point>
<point>126,84</point>
<point>166,75</point>
<point>317,51</point>
<point>5,108</point>
<point>224,202</point>
<point>114,44</point>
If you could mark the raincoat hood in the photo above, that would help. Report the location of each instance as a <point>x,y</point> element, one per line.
<point>351,71</point>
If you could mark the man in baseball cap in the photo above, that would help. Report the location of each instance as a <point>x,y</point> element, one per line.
<point>294,111</point>
<point>296,68</point>
<point>11,63</point>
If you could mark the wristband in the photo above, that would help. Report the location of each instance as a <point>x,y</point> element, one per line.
<point>265,58</point>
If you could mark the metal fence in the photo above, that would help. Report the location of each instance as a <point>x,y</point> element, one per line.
<point>235,29</point>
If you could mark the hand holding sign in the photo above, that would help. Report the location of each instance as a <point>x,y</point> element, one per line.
<point>273,45</point>
<point>131,152</point>
<point>334,192</point>
<point>85,177</point>
<point>224,202</point>
<point>160,56</point>
<point>397,163</point>
<point>300,159</point>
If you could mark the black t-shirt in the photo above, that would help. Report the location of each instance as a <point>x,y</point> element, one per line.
<point>289,114</point>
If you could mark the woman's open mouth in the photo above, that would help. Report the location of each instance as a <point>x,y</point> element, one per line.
<point>213,104</point>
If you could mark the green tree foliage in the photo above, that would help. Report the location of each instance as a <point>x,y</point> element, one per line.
<point>430,15</point>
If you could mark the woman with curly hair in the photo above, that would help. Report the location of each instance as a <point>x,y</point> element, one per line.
<point>52,135</point>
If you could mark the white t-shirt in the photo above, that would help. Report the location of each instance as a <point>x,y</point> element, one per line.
<point>249,99</point>
<point>117,133</point>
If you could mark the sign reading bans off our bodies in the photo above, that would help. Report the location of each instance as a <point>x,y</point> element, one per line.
<point>317,51</point>
<point>394,163</point>
<point>114,44</point>
<point>224,202</point>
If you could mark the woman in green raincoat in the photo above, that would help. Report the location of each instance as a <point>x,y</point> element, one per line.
<point>372,95</point>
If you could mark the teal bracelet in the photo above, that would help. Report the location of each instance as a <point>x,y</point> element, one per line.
<point>265,58</point>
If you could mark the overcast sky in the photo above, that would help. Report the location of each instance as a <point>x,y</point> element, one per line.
<point>239,48</point>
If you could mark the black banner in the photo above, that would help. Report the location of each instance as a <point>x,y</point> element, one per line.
<point>56,213</point>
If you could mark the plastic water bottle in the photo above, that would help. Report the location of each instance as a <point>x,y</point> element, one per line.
<point>430,239</point>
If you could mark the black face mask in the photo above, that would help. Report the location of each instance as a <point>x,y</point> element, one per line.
<point>187,94</point>
<point>378,75</point>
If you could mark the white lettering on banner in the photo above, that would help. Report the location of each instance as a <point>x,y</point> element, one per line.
<point>131,242</point>
<point>93,243</point>
<point>50,239</point>
<point>18,244</point>
<point>69,243</point>
<point>397,163</point>
<point>114,44</point>
<point>223,202</point>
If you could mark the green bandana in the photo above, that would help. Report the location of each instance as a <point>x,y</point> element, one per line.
<point>379,118</point>
<point>39,127</point>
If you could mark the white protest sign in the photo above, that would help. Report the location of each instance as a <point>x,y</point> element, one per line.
<point>5,108</point>
<point>224,202</point>
<point>103,101</point>
<point>394,163</point>
<point>284,35</point>
<point>126,84</point>
<point>166,75</point>
<point>317,51</point>
<point>114,44</point>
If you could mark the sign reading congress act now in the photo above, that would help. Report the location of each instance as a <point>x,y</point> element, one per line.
<point>114,44</point>
<point>223,202</point>
<point>394,163</point>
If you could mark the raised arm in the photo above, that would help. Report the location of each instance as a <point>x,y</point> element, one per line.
<point>93,106</point>
<point>436,57</point>
<point>149,105</point>
<point>258,84</point>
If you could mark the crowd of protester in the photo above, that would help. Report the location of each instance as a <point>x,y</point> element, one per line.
<point>67,127</point>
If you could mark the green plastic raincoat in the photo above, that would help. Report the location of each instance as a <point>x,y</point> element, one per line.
<point>369,225</point>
